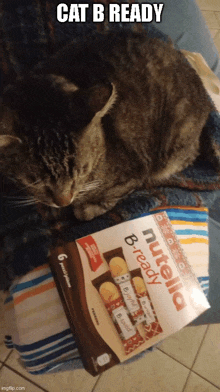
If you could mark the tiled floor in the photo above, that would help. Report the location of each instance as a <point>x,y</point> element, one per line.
<point>211,13</point>
<point>188,361</point>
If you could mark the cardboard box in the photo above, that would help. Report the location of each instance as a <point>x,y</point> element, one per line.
<point>126,288</point>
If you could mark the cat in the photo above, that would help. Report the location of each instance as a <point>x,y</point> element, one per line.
<point>108,114</point>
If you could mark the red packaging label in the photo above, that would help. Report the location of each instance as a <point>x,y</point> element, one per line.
<point>90,247</point>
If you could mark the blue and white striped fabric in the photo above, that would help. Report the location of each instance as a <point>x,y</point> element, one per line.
<point>191,226</point>
<point>37,325</point>
<point>38,328</point>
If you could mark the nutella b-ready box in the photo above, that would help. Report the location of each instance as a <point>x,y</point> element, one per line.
<point>125,288</point>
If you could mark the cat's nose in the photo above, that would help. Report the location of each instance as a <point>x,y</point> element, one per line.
<point>63,200</point>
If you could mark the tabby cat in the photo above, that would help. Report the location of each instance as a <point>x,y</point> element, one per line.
<point>108,114</point>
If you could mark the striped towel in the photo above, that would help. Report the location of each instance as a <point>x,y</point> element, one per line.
<point>37,325</point>
<point>191,227</point>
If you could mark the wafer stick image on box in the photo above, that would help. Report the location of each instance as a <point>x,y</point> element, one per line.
<point>114,303</point>
<point>151,325</point>
<point>122,277</point>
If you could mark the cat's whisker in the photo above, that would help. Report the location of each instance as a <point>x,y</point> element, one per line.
<point>37,182</point>
<point>21,201</point>
<point>90,186</point>
<point>14,205</point>
<point>17,197</point>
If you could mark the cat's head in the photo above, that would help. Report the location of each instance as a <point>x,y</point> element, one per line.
<point>51,138</point>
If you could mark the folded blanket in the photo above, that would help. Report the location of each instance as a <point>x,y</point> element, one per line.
<point>36,323</point>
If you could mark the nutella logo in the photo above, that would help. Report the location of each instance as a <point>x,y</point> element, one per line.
<point>173,284</point>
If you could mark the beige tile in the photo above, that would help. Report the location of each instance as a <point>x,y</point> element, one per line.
<point>198,384</point>
<point>209,5</point>
<point>69,381</point>
<point>183,345</point>
<point>213,32</point>
<point>207,363</point>
<point>217,41</point>
<point>217,14</point>
<point>211,19</point>
<point>2,331</point>
<point>4,352</point>
<point>10,379</point>
<point>156,372</point>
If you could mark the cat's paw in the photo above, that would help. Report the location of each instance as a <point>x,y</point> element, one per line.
<point>88,211</point>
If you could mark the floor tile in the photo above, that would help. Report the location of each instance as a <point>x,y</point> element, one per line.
<point>183,345</point>
<point>213,32</point>
<point>69,381</point>
<point>4,351</point>
<point>10,379</point>
<point>209,5</point>
<point>207,363</point>
<point>217,40</point>
<point>156,372</point>
<point>217,14</point>
<point>198,384</point>
<point>211,19</point>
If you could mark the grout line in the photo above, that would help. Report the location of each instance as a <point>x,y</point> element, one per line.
<point>210,382</point>
<point>93,388</point>
<point>199,375</point>
<point>170,356</point>
<point>7,356</point>
<point>187,378</point>
<point>217,12</point>
<point>186,382</point>
<point>196,356</point>
<point>189,368</point>
<point>23,376</point>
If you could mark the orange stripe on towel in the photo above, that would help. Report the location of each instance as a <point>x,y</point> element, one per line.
<point>32,293</point>
<point>44,266</point>
<point>194,240</point>
<point>37,269</point>
<point>180,208</point>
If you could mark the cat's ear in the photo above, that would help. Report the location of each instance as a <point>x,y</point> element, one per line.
<point>6,127</point>
<point>64,84</point>
<point>7,140</point>
<point>101,98</point>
